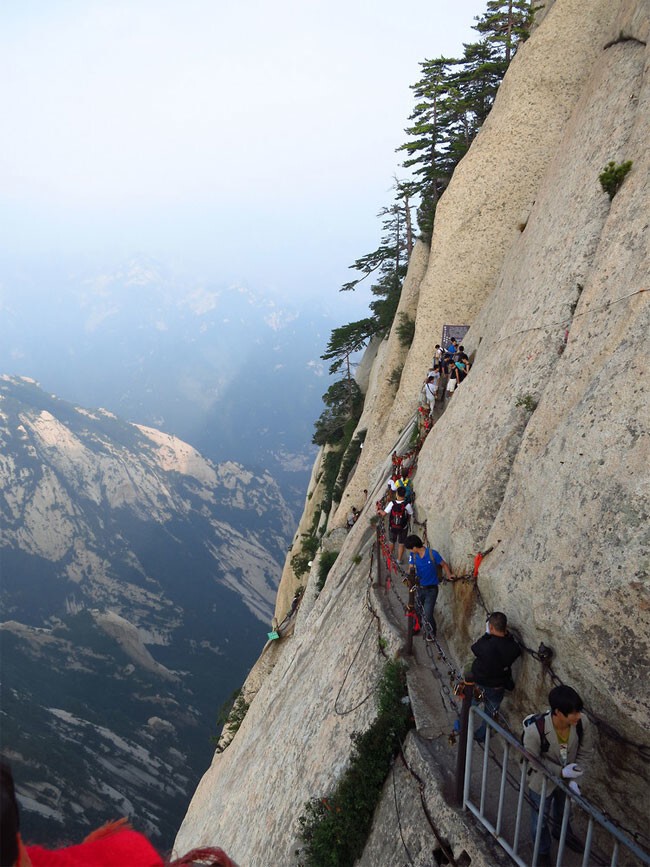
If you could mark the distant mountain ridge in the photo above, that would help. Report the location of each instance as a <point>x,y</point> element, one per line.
<point>176,353</point>
<point>136,578</point>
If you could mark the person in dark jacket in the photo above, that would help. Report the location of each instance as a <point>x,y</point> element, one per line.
<point>495,653</point>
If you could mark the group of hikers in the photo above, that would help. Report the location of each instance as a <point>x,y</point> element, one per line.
<point>559,737</point>
<point>449,367</point>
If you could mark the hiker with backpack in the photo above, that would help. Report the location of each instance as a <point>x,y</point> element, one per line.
<point>450,352</point>
<point>353,516</point>
<point>425,563</point>
<point>559,738</point>
<point>395,482</point>
<point>399,513</point>
<point>494,652</point>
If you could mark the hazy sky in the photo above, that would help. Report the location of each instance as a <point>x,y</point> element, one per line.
<point>246,139</point>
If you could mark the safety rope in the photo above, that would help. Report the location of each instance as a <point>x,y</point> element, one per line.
<point>397,814</point>
<point>569,319</point>
<point>338,695</point>
<point>375,619</point>
<point>444,846</point>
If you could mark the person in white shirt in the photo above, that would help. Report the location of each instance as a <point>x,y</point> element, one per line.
<point>399,514</point>
<point>431,390</point>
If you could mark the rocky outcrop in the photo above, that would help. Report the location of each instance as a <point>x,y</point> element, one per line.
<point>384,384</point>
<point>290,581</point>
<point>553,466</point>
<point>543,452</point>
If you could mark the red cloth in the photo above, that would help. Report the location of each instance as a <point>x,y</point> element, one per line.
<point>120,849</point>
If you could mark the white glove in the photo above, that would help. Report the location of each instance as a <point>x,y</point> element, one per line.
<point>575,788</point>
<point>572,771</point>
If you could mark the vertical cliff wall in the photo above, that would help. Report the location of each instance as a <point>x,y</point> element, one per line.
<point>493,190</point>
<point>543,452</point>
<point>546,445</point>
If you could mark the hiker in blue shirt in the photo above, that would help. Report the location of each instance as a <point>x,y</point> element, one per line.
<point>452,349</point>
<point>425,563</point>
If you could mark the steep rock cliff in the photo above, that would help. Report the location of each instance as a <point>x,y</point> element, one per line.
<point>542,453</point>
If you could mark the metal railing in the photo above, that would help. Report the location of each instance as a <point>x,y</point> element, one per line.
<point>502,811</point>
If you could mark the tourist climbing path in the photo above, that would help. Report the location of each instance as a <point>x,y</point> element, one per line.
<point>439,683</point>
<point>435,682</point>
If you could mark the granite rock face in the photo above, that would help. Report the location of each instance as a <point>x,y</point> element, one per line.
<point>494,188</point>
<point>543,453</point>
<point>546,444</point>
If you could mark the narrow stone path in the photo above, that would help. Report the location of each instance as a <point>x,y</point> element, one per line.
<point>436,712</point>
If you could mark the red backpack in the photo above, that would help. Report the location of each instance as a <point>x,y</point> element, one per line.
<point>398,517</point>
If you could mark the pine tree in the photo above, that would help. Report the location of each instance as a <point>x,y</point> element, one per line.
<point>404,193</point>
<point>505,24</point>
<point>453,99</point>
<point>427,150</point>
<point>346,340</point>
<point>476,80</point>
<point>343,400</point>
<point>389,263</point>
<point>396,244</point>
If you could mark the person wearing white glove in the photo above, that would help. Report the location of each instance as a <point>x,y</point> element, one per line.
<point>572,771</point>
<point>561,740</point>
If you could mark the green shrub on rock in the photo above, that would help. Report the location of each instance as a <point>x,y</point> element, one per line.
<point>334,829</point>
<point>612,176</point>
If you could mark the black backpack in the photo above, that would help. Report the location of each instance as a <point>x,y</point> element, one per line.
<point>538,720</point>
<point>398,517</point>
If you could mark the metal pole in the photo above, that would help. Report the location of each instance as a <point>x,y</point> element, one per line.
<point>410,611</point>
<point>379,558</point>
<point>468,694</point>
<point>468,761</point>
